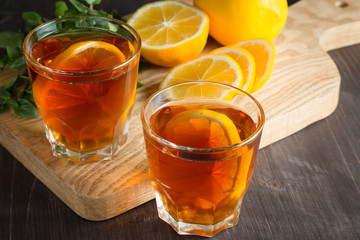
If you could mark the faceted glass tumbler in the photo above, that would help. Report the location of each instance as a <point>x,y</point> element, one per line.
<point>86,112</point>
<point>200,190</point>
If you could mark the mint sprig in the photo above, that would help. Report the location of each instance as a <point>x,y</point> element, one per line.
<point>18,93</point>
<point>21,100</point>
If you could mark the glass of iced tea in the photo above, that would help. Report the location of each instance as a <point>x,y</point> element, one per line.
<point>201,142</point>
<point>83,71</point>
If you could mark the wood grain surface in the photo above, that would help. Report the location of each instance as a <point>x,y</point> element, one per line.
<point>303,89</point>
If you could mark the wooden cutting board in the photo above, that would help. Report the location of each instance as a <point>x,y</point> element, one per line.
<point>303,89</point>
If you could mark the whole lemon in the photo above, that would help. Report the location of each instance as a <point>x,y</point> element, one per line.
<point>232,21</point>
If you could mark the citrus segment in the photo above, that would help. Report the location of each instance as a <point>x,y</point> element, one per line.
<point>210,67</point>
<point>264,53</point>
<point>171,32</point>
<point>245,61</point>
<point>88,56</point>
<point>201,128</point>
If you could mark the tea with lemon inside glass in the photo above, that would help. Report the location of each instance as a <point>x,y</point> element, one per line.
<point>84,112</point>
<point>191,184</point>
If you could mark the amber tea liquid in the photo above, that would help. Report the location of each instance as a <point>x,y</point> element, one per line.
<point>84,112</point>
<point>193,187</point>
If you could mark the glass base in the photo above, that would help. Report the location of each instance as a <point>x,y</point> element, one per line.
<point>106,153</point>
<point>205,230</point>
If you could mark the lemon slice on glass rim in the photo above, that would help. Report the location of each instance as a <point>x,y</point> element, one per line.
<point>88,56</point>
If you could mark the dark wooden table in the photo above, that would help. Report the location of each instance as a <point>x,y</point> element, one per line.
<point>306,186</point>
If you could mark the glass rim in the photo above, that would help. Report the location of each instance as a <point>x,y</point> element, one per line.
<point>160,139</point>
<point>83,73</point>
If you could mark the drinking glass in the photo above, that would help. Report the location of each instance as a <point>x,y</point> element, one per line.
<point>84,97</point>
<point>201,142</point>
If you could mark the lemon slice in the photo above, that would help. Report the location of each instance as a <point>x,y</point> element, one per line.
<point>246,62</point>
<point>201,128</point>
<point>171,32</point>
<point>264,53</point>
<point>210,67</point>
<point>88,56</point>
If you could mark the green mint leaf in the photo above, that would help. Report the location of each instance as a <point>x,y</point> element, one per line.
<point>12,102</point>
<point>4,94</point>
<point>29,96</point>
<point>119,17</point>
<point>60,8</point>
<point>93,2</point>
<point>13,52</point>
<point>32,18</point>
<point>11,85</point>
<point>139,84</point>
<point>17,63</point>
<point>3,61</point>
<point>143,64</point>
<point>112,27</point>
<point>71,12</point>
<point>10,39</point>
<point>97,12</point>
<point>26,78</point>
<point>5,100</point>
<point>79,6</point>
<point>25,109</point>
<point>4,106</point>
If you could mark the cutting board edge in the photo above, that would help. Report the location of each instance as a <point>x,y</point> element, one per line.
<point>86,206</point>
<point>333,98</point>
<point>340,36</point>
